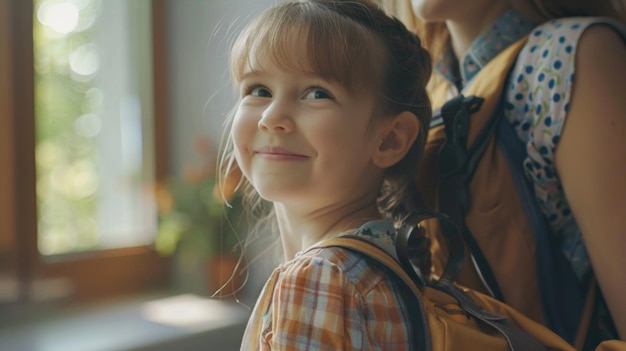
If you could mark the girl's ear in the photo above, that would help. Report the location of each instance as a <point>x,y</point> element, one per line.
<point>398,137</point>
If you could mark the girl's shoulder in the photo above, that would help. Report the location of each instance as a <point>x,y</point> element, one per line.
<point>344,265</point>
<point>337,293</point>
<point>332,266</point>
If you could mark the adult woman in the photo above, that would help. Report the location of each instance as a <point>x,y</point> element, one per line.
<point>571,129</point>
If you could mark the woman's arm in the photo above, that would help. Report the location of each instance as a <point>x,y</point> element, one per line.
<point>591,160</point>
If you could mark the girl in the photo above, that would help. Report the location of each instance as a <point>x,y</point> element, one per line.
<point>565,100</point>
<point>331,121</point>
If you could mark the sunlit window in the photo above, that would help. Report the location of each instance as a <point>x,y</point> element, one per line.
<point>94,124</point>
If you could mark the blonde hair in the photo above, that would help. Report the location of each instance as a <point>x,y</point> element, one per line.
<point>351,42</point>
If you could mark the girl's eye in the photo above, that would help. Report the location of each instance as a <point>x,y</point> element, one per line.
<point>260,92</point>
<point>317,93</point>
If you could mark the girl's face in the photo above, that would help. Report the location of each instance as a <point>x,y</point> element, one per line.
<point>304,141</point>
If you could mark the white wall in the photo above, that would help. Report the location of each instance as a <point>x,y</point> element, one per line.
<point>200,32</point>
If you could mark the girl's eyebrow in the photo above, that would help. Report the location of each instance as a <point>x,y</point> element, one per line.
<point>252,74</point>
<point>258,73</point>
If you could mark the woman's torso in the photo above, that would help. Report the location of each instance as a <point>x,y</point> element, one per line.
<point>537,98</point>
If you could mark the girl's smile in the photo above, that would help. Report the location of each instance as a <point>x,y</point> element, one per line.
<point>278,153</point>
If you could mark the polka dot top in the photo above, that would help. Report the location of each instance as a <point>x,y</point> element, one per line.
<point>538,95</point>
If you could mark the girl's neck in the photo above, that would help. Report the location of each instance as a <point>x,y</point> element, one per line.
<point>464,31</point>
<point>299,231</point>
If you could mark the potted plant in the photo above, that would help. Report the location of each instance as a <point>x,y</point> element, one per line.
<point>200,218</point>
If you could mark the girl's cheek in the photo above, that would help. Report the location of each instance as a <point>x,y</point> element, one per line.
<point>242,133</point>
<point>240,162</point>
<point>240,129</point>
<point>246,118</point>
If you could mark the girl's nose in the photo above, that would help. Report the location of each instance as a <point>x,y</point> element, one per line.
<point>277,117</point>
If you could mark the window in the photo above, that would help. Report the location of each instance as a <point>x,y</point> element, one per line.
<point>94,151</point>
<point>82,103</point>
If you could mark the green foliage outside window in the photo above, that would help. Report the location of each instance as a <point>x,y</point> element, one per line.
<point>66,107</point>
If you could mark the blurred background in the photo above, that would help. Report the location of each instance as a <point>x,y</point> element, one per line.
<point>113,234</point>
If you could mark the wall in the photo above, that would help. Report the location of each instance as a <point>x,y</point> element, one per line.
<point>199,36</point>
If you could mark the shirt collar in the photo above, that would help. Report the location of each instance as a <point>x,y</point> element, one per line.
<point>506,30</point>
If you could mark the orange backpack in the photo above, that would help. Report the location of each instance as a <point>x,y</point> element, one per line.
<point>472,171</point>
<point>446,316</point>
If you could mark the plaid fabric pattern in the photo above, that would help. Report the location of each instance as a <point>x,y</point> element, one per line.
<point>329,299</point>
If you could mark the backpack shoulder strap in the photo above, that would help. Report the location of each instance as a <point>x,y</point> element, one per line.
<point>468,124</point>
<point>562,298</point>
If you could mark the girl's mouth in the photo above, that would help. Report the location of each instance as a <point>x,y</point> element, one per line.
<point>279,153</point>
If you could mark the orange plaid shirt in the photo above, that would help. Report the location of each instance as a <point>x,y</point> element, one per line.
<point>331,299</point>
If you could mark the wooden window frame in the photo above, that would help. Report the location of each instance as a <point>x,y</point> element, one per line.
<point>91,276</point>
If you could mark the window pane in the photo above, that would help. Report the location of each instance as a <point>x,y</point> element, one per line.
<point>94,124</point>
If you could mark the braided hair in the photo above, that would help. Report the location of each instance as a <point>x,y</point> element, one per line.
<point>406,73</point>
